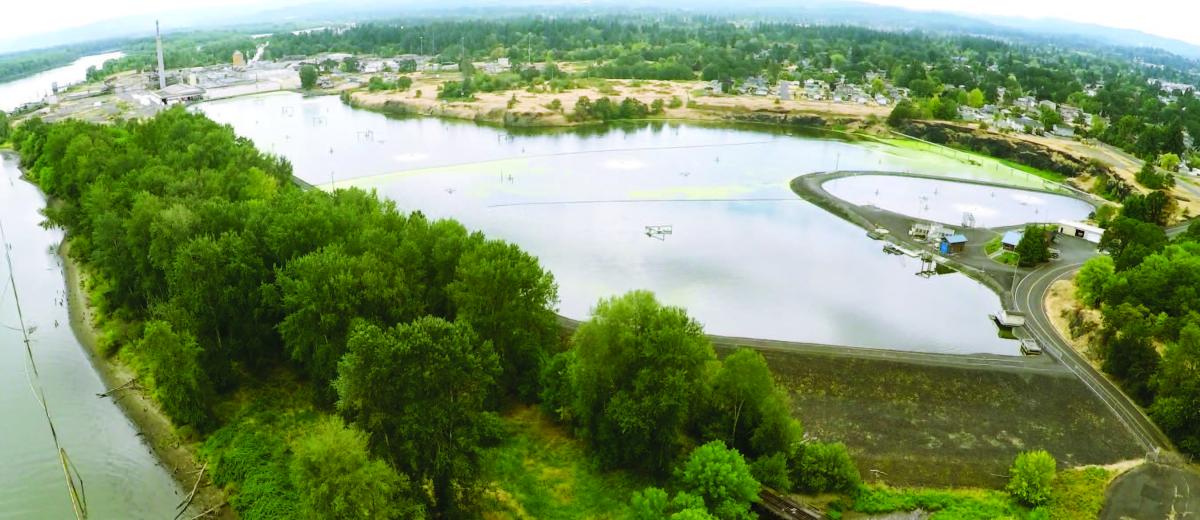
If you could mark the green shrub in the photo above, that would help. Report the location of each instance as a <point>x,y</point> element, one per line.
<point>1032,474</point>
<point>944,504</point>
<point>826,467</point>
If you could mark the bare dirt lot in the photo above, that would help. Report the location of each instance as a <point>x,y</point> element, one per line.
<point>535,108</point>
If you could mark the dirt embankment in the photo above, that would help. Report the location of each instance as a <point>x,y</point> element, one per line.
<point>176,454</point>
<point>521,108</point>
<point>1074,323</point>
<point>913,424</point>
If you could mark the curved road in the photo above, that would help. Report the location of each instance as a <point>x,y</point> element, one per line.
<point>1029,297</point>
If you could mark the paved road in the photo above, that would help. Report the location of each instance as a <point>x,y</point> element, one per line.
<point>1029,297</point>
<point>1153,491</point>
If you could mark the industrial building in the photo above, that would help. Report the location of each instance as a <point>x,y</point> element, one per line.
<point>1080,230</point>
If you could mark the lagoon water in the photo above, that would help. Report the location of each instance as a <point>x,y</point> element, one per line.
<point>745,256</point>
<point>949,202</point>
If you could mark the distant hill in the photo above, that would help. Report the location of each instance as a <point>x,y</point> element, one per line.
<point>276,13</point>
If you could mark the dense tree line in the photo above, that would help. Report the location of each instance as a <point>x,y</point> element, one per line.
<point>416,329</point>
<point>1147,288</point>
<point>5,126</point>
<point>27,63</point>
<point>409,333</point>
<point>180,50</point>
<point>942,71</point>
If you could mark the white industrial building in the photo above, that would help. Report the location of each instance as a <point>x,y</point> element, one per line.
<point>1080,230</point>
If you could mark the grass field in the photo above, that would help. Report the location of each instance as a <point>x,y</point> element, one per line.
<point>1076,494</point>
<point>934,426</point>
<point>540,471</point>
<point>1002,170</point>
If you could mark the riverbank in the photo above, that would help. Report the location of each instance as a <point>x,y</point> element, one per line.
<point>176,454</point>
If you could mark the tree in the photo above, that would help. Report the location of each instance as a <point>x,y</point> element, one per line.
<point>308,77</point>
<point>509,299</point>
<point>1127,349</point>
<point>1168,162</point>
<point>721,477</point>
<point>903,111</point>
<point>1092,278</point>
<point>5,127</point>
<point>418,390</point>
<point>1049,118</point>
<point>975,98</point>
<point>772,471</point>
<point>1130,240</point>
<point>639,367</point>
<point>1177,405</point>
<point>946,109</point>
<point>1155,207</point>
<point>649,504</point>
<point>826,467</point>
<point>336,478</point>
<point>1030,478</point>
<point>1150,177</point>
<point>180,384</point>
<point>1033,247</point>
<point>747,410</point>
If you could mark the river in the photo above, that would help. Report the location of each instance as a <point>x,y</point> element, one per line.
<point>121,476</point>
<point>745,256</point>
<point>33,88</point>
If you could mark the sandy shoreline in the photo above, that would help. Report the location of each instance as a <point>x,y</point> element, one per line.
<point>156,430</point>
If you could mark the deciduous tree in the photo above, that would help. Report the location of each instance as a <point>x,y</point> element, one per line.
<point>639,368</point>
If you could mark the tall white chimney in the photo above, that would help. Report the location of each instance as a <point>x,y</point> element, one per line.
<point>162,71</point>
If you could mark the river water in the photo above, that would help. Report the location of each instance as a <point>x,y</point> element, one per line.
<point>121,476</point>
<point>745,255</point>
<point>33,88</point>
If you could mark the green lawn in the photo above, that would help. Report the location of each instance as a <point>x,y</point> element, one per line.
<point>1077,494</point>
<point>980,160</point>
<point>1045,174</point>
<point>540,471</point>
<point>944,504</point>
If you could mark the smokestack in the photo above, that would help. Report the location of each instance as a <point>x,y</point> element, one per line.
<point>162,71</point>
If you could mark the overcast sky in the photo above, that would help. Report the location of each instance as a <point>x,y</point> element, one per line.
<point>1170,18</point>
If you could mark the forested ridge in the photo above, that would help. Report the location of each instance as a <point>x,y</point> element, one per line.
<point>943,71</point>
<point>336,357</point>
<point>26,63</point>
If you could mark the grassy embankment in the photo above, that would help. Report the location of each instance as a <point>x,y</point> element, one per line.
<point>1076,494</point>
<point>976,158</point>
<point>540,471</point>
